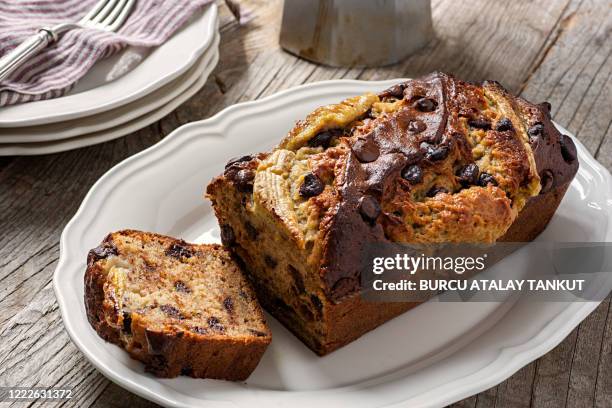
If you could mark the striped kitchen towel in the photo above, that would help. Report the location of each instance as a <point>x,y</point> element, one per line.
<point>56,69</point>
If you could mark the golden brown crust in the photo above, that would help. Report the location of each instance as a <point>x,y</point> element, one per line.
<point>432,160</point>
<point>155,324</point>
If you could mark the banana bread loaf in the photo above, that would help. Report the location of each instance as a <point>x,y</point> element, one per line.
<point>430,160</point>
<point>177,307</point>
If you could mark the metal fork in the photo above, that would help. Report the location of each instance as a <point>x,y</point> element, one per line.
<point>107,15</point>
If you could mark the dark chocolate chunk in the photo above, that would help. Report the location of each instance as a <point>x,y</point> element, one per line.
<point>568,149</point>
<point>416,126</point>
<point>228,304</point>
<point>157,342</point>
<point>311,186</point>
<point>228,238</point>
<point>271,262</point>
<point>396,91</point>
<point>344,286</point>
<point>102,252</point>
<point>322,139</point>
<point>435,190</point>
<point>215,324</point>
<point>413,173</point>
<point>486,179</point>
<point>171,311</point>
<point>257,333</point>
<point>316,302</point>
<point>480,123</point>
<point>504,124</point>
<point>127,322</point>
<point>369,208</point>
<point>251,231</point>
<point>366,149</point>
<point>297,278</point>
<point>546,106</point>
<point>188,371</point>
<point>244,180</point>
<point>468,175</point>
<point>179,249</point>
<point>426,105</point>
<point>546,181</point>
<point>238,160</point>
<point>535,132</point>
<point>199,330</point>
<point>181,286</point>
<point>435,153</point>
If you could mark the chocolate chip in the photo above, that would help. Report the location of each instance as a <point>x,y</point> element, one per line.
<point>322,139</point>
<point>102,252</point>
<point>396,91</point>
<point>504,124</point>
<point>214,324</point>
<point>416,126</point>
<point>228,238</point>
<point>179,250</point>
<point>238,160</point>
<point>244,180</point>
<point>535,132</point>
<point>546,181</point>
<point>316,302</point>
<point>344,286</point>
<point>366,149</point>
<point>426,105</point>
<point>199,330</point>
<point>157,342</point>
<point>546,106</point>
<point>435,190</point>
<point>271,262</point>
<point>435,153</point>
<point>257,333</point>
<point>369,208</point>
<point>297,278</point>
<point>480,123</point>
<point>251,231</point>
<point>171,311</point>
<point>311,186</point>
<point>127,322</point>
<point>486,179</point>
<point>228,304</point>
<point>181,286</point>
<point>468,175</point>
<point>568,149</point>
<point>188,371</point>
<point>413,174</point>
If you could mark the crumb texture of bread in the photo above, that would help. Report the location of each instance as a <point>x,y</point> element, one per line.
<point>181,309</point>
<point>430,160</point>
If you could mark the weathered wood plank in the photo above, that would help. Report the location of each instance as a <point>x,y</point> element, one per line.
<point>603,383</point>
<point>586,357</point>
<point>548,50</point>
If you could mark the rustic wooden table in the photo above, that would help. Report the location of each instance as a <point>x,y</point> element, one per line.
<point>554,50</point>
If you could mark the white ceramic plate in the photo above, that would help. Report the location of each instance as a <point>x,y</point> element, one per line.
<point>94,94</point>
<point>114,117</point>
<point>433,355</point>
<point>191,88</point>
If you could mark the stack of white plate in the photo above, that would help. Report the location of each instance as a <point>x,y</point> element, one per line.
<point>107,103</point>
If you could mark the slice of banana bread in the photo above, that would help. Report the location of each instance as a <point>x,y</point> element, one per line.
<point>430,160</point>
<point>179,308</point>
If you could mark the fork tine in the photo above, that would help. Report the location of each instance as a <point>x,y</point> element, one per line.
<point>123,16</point>
<point>98,18</point>
<point>99,6</point>
<point>108,20</point>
